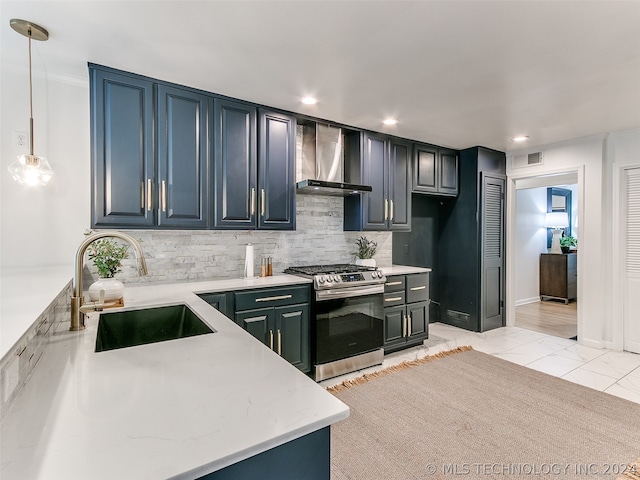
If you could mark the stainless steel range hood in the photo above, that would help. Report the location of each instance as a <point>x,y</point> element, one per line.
<point>323,164</point>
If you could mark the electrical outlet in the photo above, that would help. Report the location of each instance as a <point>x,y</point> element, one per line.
<point>20,139</point>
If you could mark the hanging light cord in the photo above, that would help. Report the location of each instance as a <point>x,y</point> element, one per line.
<point>30,99</point>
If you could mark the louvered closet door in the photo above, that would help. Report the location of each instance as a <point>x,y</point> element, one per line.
<point>631,227</point>
<point>492,262</point>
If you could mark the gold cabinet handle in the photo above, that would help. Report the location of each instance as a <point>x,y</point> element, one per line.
<point>253,201</point>
<point>391,210</point>
<point>279,343</point>
<point>404,325</point>
<point>421,287</point>
<point>164,196</point>
<point>386,209</point>
<point>389,284</point>
<point>271,339</point>
<point>149,192</point>
<point>409,320</point>
<point>271,299</point>
<point>392,299</point>
<point>262,202</point>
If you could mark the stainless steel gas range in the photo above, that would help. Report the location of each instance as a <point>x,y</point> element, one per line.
<point>347,318</point>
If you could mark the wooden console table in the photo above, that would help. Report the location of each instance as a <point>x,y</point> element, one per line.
<point>558,276</point>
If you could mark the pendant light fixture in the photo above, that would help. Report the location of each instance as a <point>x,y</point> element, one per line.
<point>30,169</point>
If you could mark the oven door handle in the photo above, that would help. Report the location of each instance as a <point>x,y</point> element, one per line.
<point>348,292</point>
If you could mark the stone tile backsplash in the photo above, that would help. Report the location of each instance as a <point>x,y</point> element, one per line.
<point>214,254</point>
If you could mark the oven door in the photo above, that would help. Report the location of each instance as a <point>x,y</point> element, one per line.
<point>348,321</point>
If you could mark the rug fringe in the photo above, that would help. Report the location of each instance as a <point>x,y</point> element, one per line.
<point>633,471</point>
<point>394,368</point>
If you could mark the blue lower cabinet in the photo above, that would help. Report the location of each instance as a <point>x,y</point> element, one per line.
<point>307,458</point>
<point>285,330</point>
<point>281,323</point>
<point>406,313</point>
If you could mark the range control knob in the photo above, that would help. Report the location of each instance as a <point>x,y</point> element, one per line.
<point>336,278</point>
<point>329,279</point>
<point>321,279</point>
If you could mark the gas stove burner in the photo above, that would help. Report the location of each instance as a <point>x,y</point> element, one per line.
<point>330,269</point>
<point>339,276</point>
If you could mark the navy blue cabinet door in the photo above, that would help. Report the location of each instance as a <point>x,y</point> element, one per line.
<point>399,181</point>
<point>183,157</point>
<point>435,170</point>
<point>292,332</point>
<point>235,165</point>
<point>448,183</point>
<point>276,175</point>
<point>425,170</point>
<point>122,153</point>
<point>375,172</point>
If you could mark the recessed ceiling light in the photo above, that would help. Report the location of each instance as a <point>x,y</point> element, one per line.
<point>390,121</point>
<point>520,138</point>
<point>309,100</point>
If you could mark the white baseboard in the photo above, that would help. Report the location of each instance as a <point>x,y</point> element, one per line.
<point>525,301</point>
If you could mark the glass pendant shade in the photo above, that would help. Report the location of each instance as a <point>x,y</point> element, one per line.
<point>31,170</point>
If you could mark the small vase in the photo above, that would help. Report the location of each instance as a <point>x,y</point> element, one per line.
<point>366,262</point>
<point>113,289</point>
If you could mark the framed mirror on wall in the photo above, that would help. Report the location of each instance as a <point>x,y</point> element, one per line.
<point>558,200</point>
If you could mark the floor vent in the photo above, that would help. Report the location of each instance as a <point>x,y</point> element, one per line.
<point>458,316</point>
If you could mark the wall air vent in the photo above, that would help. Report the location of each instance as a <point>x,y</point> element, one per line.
<point>534,158</point>
<point>519,161</point>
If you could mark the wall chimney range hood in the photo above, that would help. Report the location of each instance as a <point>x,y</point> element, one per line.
<point>323,164</point>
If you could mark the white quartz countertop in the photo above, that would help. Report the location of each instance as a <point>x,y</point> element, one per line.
<point>176,409</point>
<point>24,294</point>
<point>403,270</point>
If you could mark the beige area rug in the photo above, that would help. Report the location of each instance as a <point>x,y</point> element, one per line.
<point>472,415</point>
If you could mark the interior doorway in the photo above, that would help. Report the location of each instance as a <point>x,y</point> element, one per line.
<point>556,312</point>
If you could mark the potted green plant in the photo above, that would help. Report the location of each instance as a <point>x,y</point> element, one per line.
<point>107,255</point>
<point>566,242</point>
<point>366,250</point>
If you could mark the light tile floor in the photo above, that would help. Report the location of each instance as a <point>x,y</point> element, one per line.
<point>617,373</point>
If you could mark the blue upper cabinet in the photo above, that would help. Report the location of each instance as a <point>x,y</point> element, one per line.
<point>276,179</point>
<point>399,181</point>
<point>384,164</point>
<point>236,163</point>
<point>254,167</point>
<point>150,153</point>
<point>183,153</point>
<point>435,170</point>
<point>122,150</point>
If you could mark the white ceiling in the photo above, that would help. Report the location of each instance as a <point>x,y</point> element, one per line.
<point>454,73</point>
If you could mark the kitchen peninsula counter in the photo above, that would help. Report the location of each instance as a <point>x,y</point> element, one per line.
<point>175,409</point>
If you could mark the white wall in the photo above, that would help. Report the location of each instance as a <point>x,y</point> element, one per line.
<point>43,226</point>
<point>592,158</point>
<point>531,241</point>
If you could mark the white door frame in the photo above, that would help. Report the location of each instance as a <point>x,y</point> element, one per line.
<point>512,178</point>
<point>618,239</point>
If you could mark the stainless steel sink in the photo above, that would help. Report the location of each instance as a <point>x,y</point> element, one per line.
<point>148,325</point>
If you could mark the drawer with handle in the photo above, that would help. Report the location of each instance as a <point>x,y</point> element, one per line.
<point>391,299</point>
<point>272,297</point>
<point>418,288</point>
<point>395,283</point>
